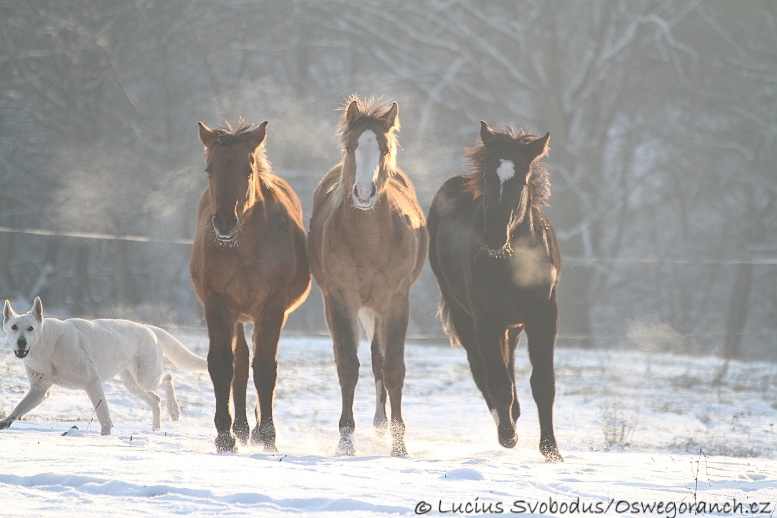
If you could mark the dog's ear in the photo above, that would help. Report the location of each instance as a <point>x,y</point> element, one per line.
<point>37,309</point>
<point>7,311</point>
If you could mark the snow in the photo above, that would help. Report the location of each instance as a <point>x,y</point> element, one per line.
<point>635,429</point>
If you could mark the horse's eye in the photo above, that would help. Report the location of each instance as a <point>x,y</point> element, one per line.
<point>207,171</point>
<point>349,150</point>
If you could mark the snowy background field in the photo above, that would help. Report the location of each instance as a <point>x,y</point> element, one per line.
<point>635,429</point>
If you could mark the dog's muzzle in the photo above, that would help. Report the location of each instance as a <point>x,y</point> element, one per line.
<point>21,350</point>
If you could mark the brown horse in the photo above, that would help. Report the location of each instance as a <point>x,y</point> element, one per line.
<point>497,262</point>
<point>248,264</point>
<point>367,244</point>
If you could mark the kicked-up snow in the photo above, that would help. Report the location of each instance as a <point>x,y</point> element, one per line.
<point>642,435</point>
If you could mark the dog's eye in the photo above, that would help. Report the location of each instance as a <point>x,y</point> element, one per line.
<point>30,329</point>
<point>15,327</point>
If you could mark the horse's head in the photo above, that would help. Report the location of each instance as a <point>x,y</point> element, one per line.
<point>367,133</point>
<point>234,161</point>
<point>507,162</point>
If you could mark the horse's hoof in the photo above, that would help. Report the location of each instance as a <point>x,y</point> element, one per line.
<point>551,453</point>
<point>380,426</point>
<point>225,443</point>
<point>345,448</point>
<point>553,457</point>
<point>398,450</point>
<point>507,437</point>
<point>241,432</point>
<point>264,435</point>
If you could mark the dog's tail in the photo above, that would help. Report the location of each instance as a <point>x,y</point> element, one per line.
<point>177,352</point>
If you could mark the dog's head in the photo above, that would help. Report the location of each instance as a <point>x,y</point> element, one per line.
<point>23,330</point>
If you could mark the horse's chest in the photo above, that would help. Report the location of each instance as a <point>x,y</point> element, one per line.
<point>520,279</point>
<point>529,266</point>
<point>238,276</point>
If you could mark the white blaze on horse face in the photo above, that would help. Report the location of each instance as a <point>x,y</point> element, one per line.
<point>505,171</point>
<point>367,158</point>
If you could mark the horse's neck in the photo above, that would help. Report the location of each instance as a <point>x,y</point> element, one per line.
<point>523,218</point>
<point>259,186</point>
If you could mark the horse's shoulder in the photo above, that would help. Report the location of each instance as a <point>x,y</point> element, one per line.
<point>402,185</point>
<point>327,183</point>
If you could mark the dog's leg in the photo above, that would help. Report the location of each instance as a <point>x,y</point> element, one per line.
<point>94,389</point>
<point>172,403</point>
<point>149,397</point>
<point>39,391</point>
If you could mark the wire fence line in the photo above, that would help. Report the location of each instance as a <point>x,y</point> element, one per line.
<point>94,236</point>
<point>770,261</point>
<point>440,338</point>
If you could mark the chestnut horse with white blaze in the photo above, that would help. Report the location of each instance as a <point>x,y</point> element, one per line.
<point>248,264</point>
<point>367,245</point>
<point>497,262</point>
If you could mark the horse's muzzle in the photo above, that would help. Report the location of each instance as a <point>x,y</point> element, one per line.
<point>362,197</point>
<point>225,230</point>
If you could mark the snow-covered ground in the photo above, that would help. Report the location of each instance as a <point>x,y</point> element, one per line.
<point>635,430</point>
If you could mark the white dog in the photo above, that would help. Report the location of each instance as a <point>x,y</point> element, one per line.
<point>77,353</point>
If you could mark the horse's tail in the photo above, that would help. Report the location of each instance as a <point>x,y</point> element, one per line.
<point>447,323</point>
<point>177,352</point>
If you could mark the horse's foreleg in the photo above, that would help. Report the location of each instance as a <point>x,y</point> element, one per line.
<point>393,329</point>
<point>542,338</point>
<point>220,368</point>
<point>267,332</point>
<point>499,383</point>
<point>239,384</point>
<point>380,421</point>
<point>343,327</point>
<point>511,344</point>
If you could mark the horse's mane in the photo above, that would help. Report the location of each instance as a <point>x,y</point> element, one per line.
<point>226,135</point>
<point>372,109</point>
<point>539,179</point>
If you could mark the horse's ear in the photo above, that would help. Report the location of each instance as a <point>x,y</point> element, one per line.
<point>391,117</point>
<point>486,133</point>
<point>352,113</point>
<point>537,148</point>
<point>206,135</point>
<point>257,136</point>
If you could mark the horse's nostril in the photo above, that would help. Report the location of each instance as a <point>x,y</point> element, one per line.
<point>374,190</point>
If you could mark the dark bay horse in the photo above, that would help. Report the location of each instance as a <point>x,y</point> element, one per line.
<point>367,245</point>
<point>497,262</point>
<point>248,264</point>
